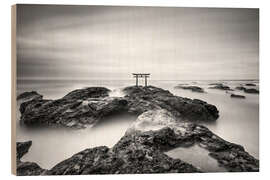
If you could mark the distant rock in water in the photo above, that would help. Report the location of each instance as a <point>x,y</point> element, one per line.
<point>252,91</point>
<point>250,84</point>
<point>215,84</point>
<point>192,88</point>
<point>237,96</point>
<point>183,84</point>
<point>26,168</point>
<point>87,106</point>
<point>241,88</point>
<point>248,90</point>
<point>220,86</point>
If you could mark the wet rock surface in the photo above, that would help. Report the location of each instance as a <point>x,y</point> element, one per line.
<point>84,107</point>
<point>192,88</point>
<point>26,168</point>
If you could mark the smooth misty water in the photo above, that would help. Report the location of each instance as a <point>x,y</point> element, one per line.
<point>51,145</point>
<point>238,121</point>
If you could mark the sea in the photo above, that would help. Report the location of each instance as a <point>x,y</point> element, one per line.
<point>238,122</point>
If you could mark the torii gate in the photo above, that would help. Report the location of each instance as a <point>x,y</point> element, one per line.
<point>141,75</point>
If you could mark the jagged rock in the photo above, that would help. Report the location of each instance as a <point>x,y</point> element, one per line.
<point>26,168</point>
<point>238,96</point>
<point>152,120</point>
<point>29,96</point>
<point>84,107</point>
<point>136,152</point>
<point>221,87</point>
<point>83,94</point>
<point>141,99</point>
<point>170,133</point>
<point>142,150</point>
<point>73,110</point>
<point>29,169</point>
<point>22,148</point>
<point>192,88</point>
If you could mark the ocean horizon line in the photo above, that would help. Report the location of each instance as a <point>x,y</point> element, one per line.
<point>85,79</point>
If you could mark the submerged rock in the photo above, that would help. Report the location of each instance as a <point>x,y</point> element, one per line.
<point>87,106</point>
<point>192,88</point>
<point>26,168</point>
<point>238,96</point>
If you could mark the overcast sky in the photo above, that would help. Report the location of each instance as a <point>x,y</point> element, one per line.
<point>99,42</point>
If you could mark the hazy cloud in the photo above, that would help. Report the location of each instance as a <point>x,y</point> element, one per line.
<point>113,42</point>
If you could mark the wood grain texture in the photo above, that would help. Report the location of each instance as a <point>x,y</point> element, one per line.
<point>13,88</point>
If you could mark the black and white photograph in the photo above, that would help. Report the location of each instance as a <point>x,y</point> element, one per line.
<point>135,89</point>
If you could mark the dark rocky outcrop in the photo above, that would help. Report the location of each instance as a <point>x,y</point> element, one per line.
<point>241,88</point>
<point>29,96</point>
<point>250,84</point>
<point>215,84</point>
<point>247,90</point>
<point>251,91</point>
<point>141,99</point>
<point>22,148</point>
<point>142,150</point>
<point>192,88</point>
<point>73,110</point>
<point>84,107</point>
<point>220,86</point>
<point>84,94</point>
<point>238,96</point>
<point>128,157</point>
<point>164,123</point>
<point>26,168</point>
